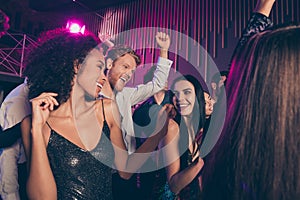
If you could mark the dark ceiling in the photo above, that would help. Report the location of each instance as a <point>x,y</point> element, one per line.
<point>73,5</point>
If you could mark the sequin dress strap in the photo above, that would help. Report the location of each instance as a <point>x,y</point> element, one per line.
<point>49,126</point>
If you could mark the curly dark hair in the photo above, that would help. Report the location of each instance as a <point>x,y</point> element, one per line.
<point>50,65</point>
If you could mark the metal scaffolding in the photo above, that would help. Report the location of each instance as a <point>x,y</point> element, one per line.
<point>12,50</point>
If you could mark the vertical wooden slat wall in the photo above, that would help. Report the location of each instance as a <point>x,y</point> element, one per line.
<point>205,21</point>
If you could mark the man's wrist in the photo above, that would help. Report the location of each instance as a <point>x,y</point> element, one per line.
<point>164,49</point>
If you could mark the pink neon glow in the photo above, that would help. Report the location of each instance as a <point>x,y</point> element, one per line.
<point>75,27</point>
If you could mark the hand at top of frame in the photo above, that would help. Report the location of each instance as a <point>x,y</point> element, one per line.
<point>163,40</point>
<point>264,7</point>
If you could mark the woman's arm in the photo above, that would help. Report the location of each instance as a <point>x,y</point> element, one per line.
<point>129,164</point>
<point>264,7</point>
<point>41,183</point>
<point>178,179</point>
<point>258,22</point>
<point>140,156</point>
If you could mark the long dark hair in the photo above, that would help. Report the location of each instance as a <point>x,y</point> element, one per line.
<point>259,155</point>
<point>198,113</point>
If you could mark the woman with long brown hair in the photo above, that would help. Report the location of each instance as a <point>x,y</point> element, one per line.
<point>258,156</point>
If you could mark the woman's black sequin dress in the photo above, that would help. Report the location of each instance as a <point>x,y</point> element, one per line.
<point>80,174</point>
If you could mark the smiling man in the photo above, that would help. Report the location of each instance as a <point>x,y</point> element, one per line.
<point>121,63</point>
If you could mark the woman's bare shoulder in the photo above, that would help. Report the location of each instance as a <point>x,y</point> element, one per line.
<point>111,111</point>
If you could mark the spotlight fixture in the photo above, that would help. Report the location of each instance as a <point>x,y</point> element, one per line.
<point>75,27</point>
